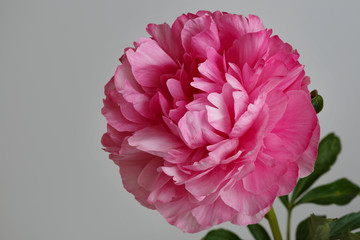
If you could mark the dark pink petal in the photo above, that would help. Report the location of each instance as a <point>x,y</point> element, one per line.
<point>113,139</point>
<point>127,109</point>
<point>140,101</point>
<point>159,105</point>
<point>179,23</point>
<point>124,74</point>
<point>116,119</point>
<point>166,39</point>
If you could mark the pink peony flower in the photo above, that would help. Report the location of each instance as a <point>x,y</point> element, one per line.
<point>210,120</point>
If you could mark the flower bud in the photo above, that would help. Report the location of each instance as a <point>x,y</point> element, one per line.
<point>317,101</point>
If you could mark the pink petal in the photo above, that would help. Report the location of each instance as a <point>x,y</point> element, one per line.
<point>123,73</point>
<point>205,85</point>
<point>213,68</point>
<point>220,153</point>
<point>207,183</point>
<point>175,89</point>
<point>234,82</point>
<point>277,102</point>
<point>263,176</point>
<point>249,48</point>
<point>155,140</point>
<point>190,126</point>
<point>178,213</point>
<point>128,110</point>
<point>244,219</point>
<point>116,119</point>
<point>166,39</point>
<point>149,62</point>
<point>307,160</point>
<point>139,100</point>
<point>159,105</point>
<point>248,203</point>
<point>113,139</point>
<point>198,35</point>
<point>132,163</point>
<point>299,116</point>
<point>218,116</point>
<point>221,150</point>
<point>149,174</point>
<point>247,119</point>
<point>214,213</point>
<point>289,179</point>
<point>233,26</point>
<point>241,102</point>
<point>166,193</point>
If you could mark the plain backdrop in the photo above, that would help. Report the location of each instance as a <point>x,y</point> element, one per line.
<point>55,58</point>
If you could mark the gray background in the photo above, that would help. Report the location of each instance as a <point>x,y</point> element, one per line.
<point>55,58</point>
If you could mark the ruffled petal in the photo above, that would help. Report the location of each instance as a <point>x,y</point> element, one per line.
<point>199,34</point>
<point>214,213</point>
<point>307,160</point>
<point>149,62</point>
<point>155,140</point>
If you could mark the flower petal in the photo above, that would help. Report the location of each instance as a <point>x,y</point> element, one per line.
<point>149,62</point>
<point>155,140</point>
<point>199,34</point>
<point>307,160</point>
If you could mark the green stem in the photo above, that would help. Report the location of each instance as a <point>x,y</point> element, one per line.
<point>274,225</point>
<point>288,229</point>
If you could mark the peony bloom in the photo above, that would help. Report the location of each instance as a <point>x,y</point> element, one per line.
<point>210,120</point>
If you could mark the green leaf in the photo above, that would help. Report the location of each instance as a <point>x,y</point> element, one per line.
<point>285,200</point>
<point>317,101</point>
<point>319,228</point>
<point>340,192</point>
<point>349,236</point>
<point>329,148</point>
<point>348,222</point>
<point>302,230</point>
<point>258,232</point>
<point>221,234</point>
